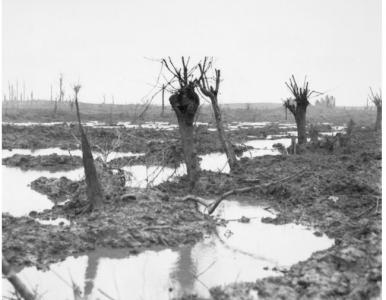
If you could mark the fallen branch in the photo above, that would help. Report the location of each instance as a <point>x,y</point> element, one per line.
<point>213,206</point>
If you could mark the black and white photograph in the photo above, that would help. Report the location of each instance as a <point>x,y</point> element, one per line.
<point>191,150</point>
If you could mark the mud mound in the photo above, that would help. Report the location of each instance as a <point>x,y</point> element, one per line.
<point>50,163</point>
<point>141,222</point>
<point>57,189</point>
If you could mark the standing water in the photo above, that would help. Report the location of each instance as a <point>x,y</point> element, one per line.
<point>19,199</point>
<point>238,252</point>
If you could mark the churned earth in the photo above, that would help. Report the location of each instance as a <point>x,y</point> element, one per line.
<point>129,218</point>
<point>337,189</point>
<point>340,194</point>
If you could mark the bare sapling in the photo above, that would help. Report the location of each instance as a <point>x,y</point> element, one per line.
<point>109,146</point>
<point>94,190</point>
<point>298,106</point>
<point>61,91</point>
<point>376,98</point>
<point>185,103</point>
<point>212,93</point>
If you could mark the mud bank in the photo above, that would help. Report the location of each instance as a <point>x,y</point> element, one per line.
<point>340,194</point>
<point>52,163</point>
<point>137,221</point>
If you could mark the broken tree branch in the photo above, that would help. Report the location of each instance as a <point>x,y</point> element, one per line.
<point>212,206</point>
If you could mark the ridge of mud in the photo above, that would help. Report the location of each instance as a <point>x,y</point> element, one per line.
<point>52,162</point>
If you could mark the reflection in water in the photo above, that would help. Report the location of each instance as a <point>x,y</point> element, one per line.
<point>143,176</point>
<point>239,252</point>
<point>185,272</point>
<point>91,272</point>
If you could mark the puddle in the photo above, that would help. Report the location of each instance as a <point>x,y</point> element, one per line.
<point>215,162</point>
<point>18,198</point>
<point>287,125</point>
<point>150,125</point>
<point>143,176</point>
<point>58,151</point>
<point>264,147</point>
<point>240,252</point>
<point>246,125</point>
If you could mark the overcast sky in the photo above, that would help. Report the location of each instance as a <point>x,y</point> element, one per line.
<point>257,44</point>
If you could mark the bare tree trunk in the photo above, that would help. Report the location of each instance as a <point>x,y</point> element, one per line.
<point>185,104</point>
<point>300,119</point>
<point>94,190</point>
<point>163,101</point>
<point>55,107</point>
<point>19,286</point>
<point>190,154</point>
<point>378,122</point>
<point>232,161</point>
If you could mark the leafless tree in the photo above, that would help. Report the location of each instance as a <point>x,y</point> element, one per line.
<point>163,101</point>
<point>109,146</point>
<point>376,98</point>
<point>61,92</point>
<point>94,190</point>
<point>212,93</point>
<point>185,103</point>
<point>298,105</point>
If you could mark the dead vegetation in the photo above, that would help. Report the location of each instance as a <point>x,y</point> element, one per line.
<point>298,105</point>
<point>185,103</point>
<point>94,191</point>
<point>376,99</point>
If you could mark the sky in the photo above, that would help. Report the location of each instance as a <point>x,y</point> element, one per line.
<point>111,47</point>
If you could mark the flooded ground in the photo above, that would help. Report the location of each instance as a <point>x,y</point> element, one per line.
<point>17,181</point>
<point>339,196</point>
<point>239,252</point>
<point>19,199</point>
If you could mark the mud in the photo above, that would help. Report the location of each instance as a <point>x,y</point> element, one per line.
<point>50,163</point>
<point>136,140</point>
<point>143,221</point>
<point>340,194</point>
<point>57,189</point>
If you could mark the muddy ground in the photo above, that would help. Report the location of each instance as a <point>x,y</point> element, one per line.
<point>158,146</point>
<point>66,136</point>
<point>52,162</point>
<point>339,192</point>
<point>130,218</point>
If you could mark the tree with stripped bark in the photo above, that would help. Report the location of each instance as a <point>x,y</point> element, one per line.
<point>185,102</point>
<point>94,189</point>
<point>207,89</point>
<point>298,105</point>
<point>376,98</point>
